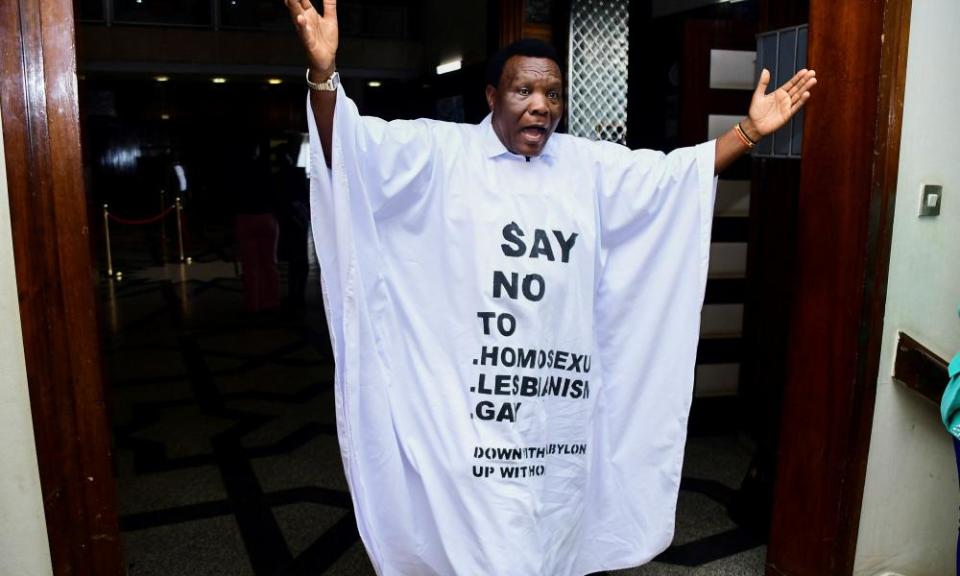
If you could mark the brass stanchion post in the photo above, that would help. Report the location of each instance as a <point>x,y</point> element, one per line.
<point>106,230</point>
<point>163,227</point>
<point>180,230</point>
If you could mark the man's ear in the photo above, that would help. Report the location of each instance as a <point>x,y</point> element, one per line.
<point>491,96</point>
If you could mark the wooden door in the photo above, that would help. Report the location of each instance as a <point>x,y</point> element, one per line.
<point>843,229</point>
<point>52,254</point>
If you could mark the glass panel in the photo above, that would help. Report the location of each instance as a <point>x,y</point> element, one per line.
<point>169,12</point>
<point>720,124</point>
<point>728,259</point>
<point>732,69</point>
<point>733,198</point>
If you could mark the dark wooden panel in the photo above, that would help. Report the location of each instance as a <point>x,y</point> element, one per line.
<point>848,178</point>
<point>722,350</point>
<point>38,95</point>
<point>511,14</point>
<point>732,102</point>
<point>730,229</point>
<point>710,416</point>
<point>741,169</point>
<point>696,102</point>
<point>920,370</point>
<point>771,268</point>
<point>725,291</point>
<point>776,14</point>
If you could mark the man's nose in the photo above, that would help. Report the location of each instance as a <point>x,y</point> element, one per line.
<point>538,104</point>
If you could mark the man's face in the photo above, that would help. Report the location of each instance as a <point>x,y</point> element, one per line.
<point>527,104</point>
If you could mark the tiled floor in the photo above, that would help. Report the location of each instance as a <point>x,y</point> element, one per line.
<point>225,442</point>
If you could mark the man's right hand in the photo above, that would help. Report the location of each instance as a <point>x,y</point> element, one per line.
<point>320,35</point>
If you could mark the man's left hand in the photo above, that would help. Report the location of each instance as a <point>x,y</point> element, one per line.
<point>768,112</point>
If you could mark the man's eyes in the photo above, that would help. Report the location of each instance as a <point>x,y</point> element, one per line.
<point>551,94</point>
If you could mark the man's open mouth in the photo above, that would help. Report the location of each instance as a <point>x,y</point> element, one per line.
<point>534,133</point>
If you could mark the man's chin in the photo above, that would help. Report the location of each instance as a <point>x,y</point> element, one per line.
<point>528,150</point>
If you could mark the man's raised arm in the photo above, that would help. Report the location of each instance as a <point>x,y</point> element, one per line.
<point>768,112</point>
<point>320,35</point>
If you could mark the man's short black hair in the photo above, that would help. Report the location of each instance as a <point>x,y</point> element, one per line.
<point>527,47</point>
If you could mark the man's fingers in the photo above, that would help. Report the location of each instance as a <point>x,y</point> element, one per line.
<point>803,88</point>
<point>330,9</point>
<point>801,82</point>
<point>297,13</point>
<point>764,81</point>
<point>305,6</point>
<point>791,85</point>
<point>799,103</point>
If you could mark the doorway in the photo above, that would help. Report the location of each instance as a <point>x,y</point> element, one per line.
<point>40,112</point>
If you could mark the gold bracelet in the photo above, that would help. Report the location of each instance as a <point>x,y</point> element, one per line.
<point>743,136</point>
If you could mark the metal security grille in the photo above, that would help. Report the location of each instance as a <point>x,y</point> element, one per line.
<point>784,53</point>
<point>598,69</point>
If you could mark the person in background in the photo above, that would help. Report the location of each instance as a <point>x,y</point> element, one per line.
<point>950,414</point>
<point>256,227</point>
<point>292,188</point>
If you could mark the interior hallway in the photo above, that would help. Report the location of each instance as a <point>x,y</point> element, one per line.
<point>226,452</point>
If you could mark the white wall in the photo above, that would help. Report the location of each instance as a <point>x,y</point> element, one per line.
<point>23,533</point>
<point>909,517</point>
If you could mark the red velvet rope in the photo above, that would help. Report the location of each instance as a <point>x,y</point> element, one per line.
<point>150,220</point>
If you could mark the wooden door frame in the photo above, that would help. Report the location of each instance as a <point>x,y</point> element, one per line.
<point>851,154</point>
<point>845,218</point>
<point>54,272</point>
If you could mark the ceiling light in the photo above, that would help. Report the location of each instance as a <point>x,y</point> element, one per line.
<point>218,80</point>
<point>374,84</point>
<point>164,116</point>
<point>451,66</point>
<point>274,81</point>
<point>161,78</point>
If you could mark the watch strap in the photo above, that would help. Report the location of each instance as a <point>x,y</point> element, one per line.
<point>329,85</point>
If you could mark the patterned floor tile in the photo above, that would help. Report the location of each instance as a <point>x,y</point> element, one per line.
<point>211,547</point>
<point>227,460</point>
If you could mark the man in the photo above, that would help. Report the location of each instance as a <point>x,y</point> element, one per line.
<point>514,315</point>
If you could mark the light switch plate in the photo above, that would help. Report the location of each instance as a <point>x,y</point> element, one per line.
<point>930,200</point>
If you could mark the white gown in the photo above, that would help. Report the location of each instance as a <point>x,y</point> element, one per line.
<point>515,342</point>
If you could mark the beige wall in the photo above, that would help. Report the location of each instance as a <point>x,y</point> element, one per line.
<point>23,533</point>
<point>909,518</point>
